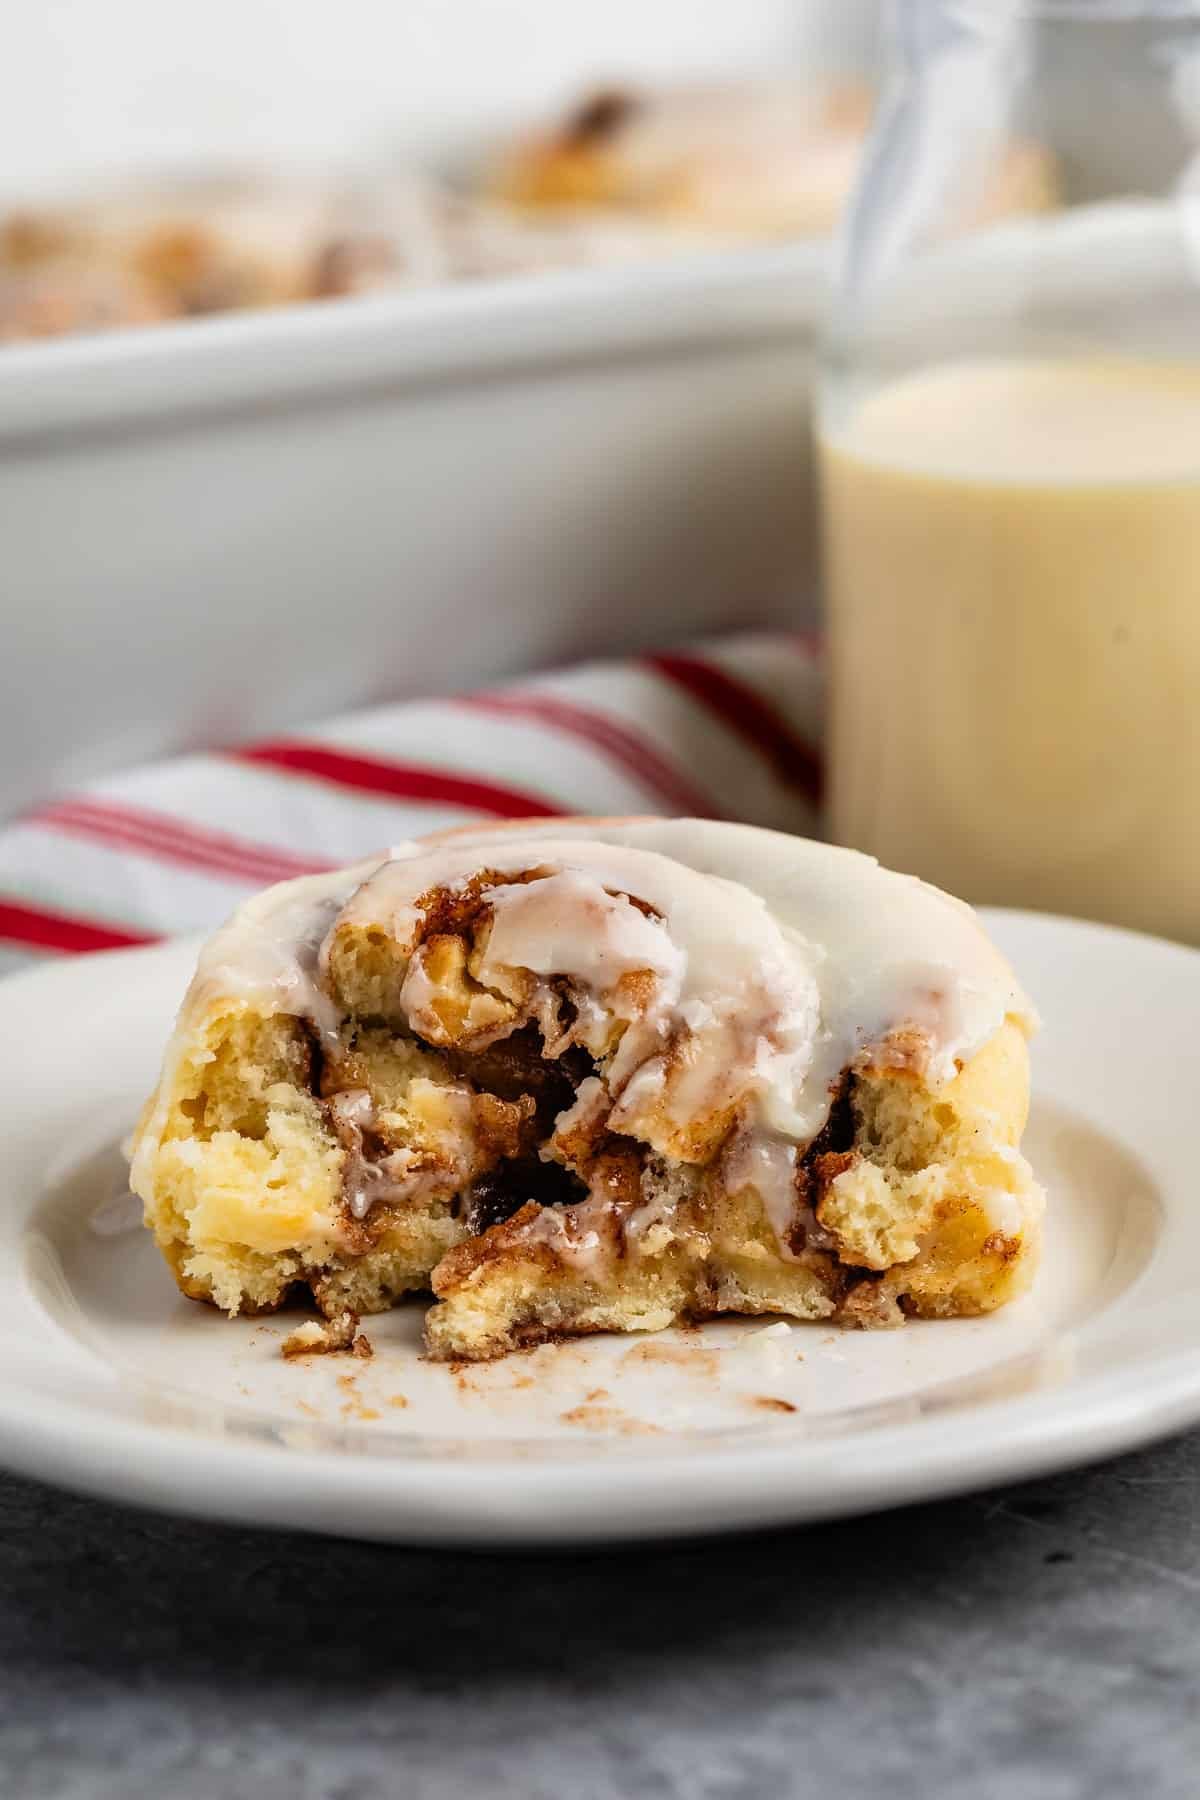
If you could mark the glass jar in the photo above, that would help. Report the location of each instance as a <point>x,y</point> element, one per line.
<point>1009,426</point>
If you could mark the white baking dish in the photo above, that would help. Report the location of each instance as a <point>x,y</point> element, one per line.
<point>222,528</point>
<point>218,529</point>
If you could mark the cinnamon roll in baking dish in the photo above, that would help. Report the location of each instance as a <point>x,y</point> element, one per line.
<point>591,1075</point>
<point>756,159</point>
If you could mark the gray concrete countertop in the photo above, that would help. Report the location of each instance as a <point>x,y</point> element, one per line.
<point>1039,1643</point>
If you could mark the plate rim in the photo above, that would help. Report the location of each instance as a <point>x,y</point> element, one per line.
<point>761,1484</point>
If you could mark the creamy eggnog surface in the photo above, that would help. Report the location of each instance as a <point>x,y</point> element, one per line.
<point>1012,571</point>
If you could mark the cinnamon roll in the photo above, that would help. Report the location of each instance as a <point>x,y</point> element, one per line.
<point>580,1075</point>
<point>757,159</point>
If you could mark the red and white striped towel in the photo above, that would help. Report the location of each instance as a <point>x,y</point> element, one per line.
<point>728,729</point>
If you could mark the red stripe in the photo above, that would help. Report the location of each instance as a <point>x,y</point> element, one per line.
<point>404,781</point>
<point>616,741</point>
<point>170,840</point>
<point>752,717</point>
<point>47,930</point>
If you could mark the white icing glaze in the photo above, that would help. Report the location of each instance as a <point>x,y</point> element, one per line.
<point>266,955</point>
<point>885,951</point>
<point>767,1163</point>
<point>725,975</point>
<point>570,1231</point>
<point>405,1174</point>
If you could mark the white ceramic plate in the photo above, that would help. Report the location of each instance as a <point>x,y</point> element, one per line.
<point>111,1383</point>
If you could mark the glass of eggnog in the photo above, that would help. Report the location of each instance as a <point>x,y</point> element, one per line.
<point>1009,436</point>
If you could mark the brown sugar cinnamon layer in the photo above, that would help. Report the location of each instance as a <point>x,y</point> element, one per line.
<point>570,1080</point>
